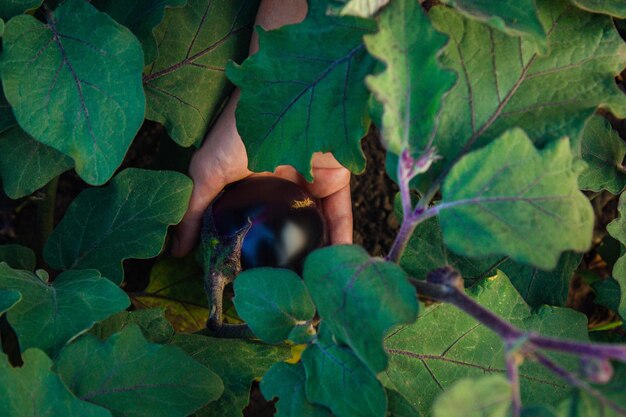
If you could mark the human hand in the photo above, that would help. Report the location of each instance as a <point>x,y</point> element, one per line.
<point>222,160</point>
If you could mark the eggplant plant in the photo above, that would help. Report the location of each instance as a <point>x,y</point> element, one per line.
<point>501,123</point>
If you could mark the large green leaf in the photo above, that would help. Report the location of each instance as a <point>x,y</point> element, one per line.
<point>303,92</point>
<point>359,298</point>
<point>27,165</point>
<point>617,229</point>
<point>33,390</point>
<point>513,17</point>
<point>272,301</point>
<point>489,396</point>
<point>413,83</point>
<point>615,8</point>
<point>445,345</point>
<point>286,382</point>
<point>398,406</point>
<point>135,378</point>
<point>126,219</point>
<point>176,285</point>
<point>51,314</point>
<point>7,119</point>
<point>186,85</point>
<point>75,88</point>
<point>511,199</point>
<point>504,83</point>
<point>152,322</point>
<point>337,379</point>
<point>10,8</point>
<point>426,251</point>
<point>141,17</point>
<point>604,152</point>
<point>18,257</point>
<point>237,362</point>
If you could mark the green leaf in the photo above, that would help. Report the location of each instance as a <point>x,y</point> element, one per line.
<point>10,8</point>
<point>615,8</point>
<point>176,285</point>
<point>489,396</point>
<point>608,293</point>
<point>604,151</point>
<point>272,301</point>
<point>74,88</point>
<point>409,47</point>
<point>7,119</point>
<point>445,345</point>
<point>511,199</point>
<point>134,378</point>
<point>337,379</point>
<point>359,298</point>
<point>152,322</point>
<point>237,362</point>
<point>126,219</point>
<point>27,165</point>
<point>513,17</point>
<point>504,83</point>
<point>33,390</point>
<point>303,92</point>
<point>399,406</point>
<point>8,298</point>
<point>359,8</point>
<point>617,229</point>
<point>141,17</point>
<point>18,257</point>
<point>286,382</point>
<point>51,314</point>
<point>186,85</point>
<point>426,251</point>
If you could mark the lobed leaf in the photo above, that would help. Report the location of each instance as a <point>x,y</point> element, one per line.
<point>18,257</point>
<point>513,17</point>
<point>339,380</point>
<point>176,285</point>
<point>413,84</point>
<point>74,88</point>
<point>489,396</point>
<point>272,302</point>
<point>286,382</point>
<point>186,85</point>
<point>152,322</point>
<point>511,199</point>
<point>604,152</point>
<point>10,8</point>
<point>504,82</point>
<point>399,406</point>
<point>617,229</point>
<point>615,8</point>
<point>8,299</point>
<point>27,165</point>
<point>51,314</point>
<point>445,345</point>
<point>359,298</point>
<point>133,377</point>
<point>34,390</point>
<point>126,219</point>
<point>141,17</point>
<point>237,362</point>
<point>304,91</point>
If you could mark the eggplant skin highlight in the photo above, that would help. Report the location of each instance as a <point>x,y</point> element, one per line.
<point>281,222</point>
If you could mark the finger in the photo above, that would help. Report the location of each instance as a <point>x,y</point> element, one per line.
<point>337,210</point>
<point>188,230</point>
<point>328,181</point>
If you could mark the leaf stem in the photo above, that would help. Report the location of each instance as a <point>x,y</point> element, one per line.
<point>512,370</point>
<point>45,216</point>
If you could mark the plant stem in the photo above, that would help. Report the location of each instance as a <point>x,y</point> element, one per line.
<point>45,215</point>
<point>512,370</point>
<point>577,382</point>
<point>597,350</point>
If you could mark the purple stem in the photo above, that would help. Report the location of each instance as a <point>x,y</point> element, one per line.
<point>577,382</point>
<point>512,370</point>
<point>596,350</point>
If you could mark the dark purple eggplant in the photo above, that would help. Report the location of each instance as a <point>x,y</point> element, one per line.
<point>258,221</point>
